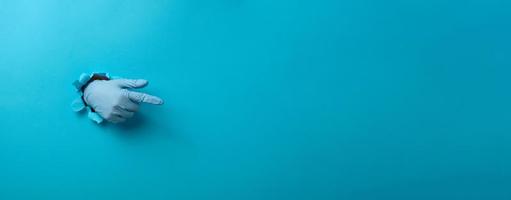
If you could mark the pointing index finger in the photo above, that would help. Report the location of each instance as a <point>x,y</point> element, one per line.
<point>139,97</point>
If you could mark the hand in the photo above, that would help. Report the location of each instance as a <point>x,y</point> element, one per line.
<point>114,102</point>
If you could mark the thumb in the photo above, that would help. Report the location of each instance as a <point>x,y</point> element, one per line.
<point>131,83</point>
<point>139,97</point>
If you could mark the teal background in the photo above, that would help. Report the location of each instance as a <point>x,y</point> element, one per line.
<point>324,99</point>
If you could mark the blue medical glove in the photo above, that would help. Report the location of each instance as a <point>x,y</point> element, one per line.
<point>112,100</point>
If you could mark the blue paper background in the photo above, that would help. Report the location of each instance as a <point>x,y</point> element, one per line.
<point>324,99</point>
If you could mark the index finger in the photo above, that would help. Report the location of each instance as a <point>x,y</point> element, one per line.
<point>139,97</point>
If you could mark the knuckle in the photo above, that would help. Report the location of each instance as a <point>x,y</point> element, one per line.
<point>124,92</point>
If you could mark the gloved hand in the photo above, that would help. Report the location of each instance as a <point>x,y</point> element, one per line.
<point>112,100</point>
